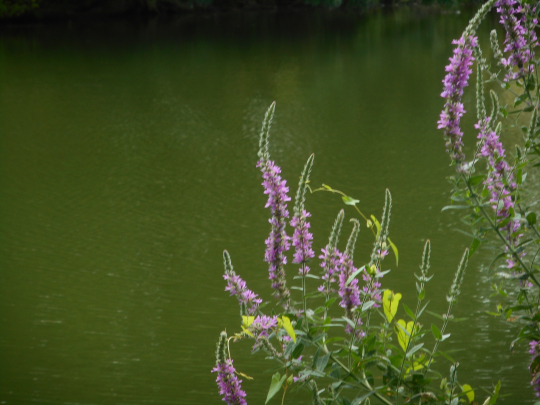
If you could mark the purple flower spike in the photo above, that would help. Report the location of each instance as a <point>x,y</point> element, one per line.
<point>229,384</point>
<point>499,181</point>
<point>519,38</point>
<point>350,294</point>
<point>249,303</point>
<point>278,241</point>
<point>302,240</point>
<point>262,324</point>
<point>457,78</point>
<point>332,259</point>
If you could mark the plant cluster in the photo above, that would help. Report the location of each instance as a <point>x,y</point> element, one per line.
<point>500,192</point>
<point>342,342</point>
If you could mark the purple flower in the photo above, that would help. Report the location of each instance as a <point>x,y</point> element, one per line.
<point>302,239</point>
<point>229,384</point>
<point>520,38</point>
<point>499,181</point>
<point>332,260</point>
<point>372,289</point>
<point>457,78</point>
<point>350,294</point>
<point>236,286</point>
<point>278,241</point>
<point>262,323</point>
<point>535,351</point>
<point>382,253</point>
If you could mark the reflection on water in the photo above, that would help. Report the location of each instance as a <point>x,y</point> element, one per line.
<point>127,164</point>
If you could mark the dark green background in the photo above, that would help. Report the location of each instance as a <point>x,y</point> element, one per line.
<point>127,165</point>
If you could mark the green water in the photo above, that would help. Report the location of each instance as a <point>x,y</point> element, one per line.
<point>127,165</point>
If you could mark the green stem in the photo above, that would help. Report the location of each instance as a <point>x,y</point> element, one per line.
<point>364,382</point>
<point>501,236</point>
<point>304,294</point>
<point>446,319</point>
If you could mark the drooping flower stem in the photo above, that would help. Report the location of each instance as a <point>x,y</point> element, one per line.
<point>454,83</point>
<point>248,300</point>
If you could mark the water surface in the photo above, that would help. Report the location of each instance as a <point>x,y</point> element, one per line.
<point>127,165</point>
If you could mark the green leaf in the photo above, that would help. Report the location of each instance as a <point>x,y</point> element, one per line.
<point>329,303</point>
<point>349,200</point>
<point>322,362</point>
<point>436,332</point>
<point>435,315</point>
<point>474,180</point>
<point>456,207</point>
<point>408,311</point>
<point>495,393</point>
<point>275,386</point>
<point>531,218</point>
<point>352,276</point>
<point>367,305</point>
<point>474,245</point>
<point>297,351</point>
<point>394,248</point>
<point>414,349</point>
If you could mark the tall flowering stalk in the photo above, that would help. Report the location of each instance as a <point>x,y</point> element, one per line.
<point>500,180</point>
<point>249,303</point>
<point>348,289</point>
<point>331,257</point>
<point>302,239</point>
<point>518,39</point>
<point>298,340</point>
<point>228,383</point>
<point>455,290</point>
<point>275,187</point>
<point>455,81</point>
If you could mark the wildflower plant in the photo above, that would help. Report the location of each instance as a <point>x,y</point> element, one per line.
<point>344,342</point>
<point>498,188</point>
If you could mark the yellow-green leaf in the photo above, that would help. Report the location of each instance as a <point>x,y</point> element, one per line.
<point>377,224</point>
<point>390,304</point>
<point>246,330</point>
<point>244,375</point>
<point>417,366</point>
<point>288,327</point>
<point>404,337</point>
<point>467,389</point>
<point>247,320</point>
<point>394,249</point>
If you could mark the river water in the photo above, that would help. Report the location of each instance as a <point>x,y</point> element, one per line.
<point>127,165</point>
